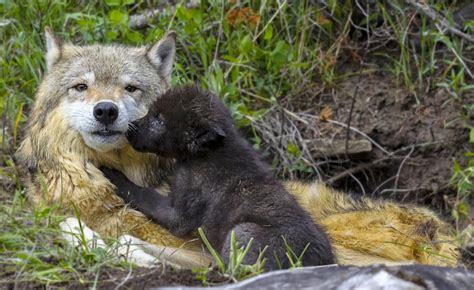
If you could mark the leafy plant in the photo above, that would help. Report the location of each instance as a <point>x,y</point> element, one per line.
<point>463,178</point>
<point>235,268</point>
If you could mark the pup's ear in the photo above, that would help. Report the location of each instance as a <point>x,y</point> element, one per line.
<point>161,55</point>
<point>211,136</point>
<point>53,48</point>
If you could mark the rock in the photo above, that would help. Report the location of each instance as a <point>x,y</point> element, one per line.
<point>405,277</point>
<point>325,148</point>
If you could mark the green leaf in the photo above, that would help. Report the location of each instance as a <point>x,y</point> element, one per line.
<point>127,2</point>
<point>112,2</point>
<point>469,154</point>
<point>293,149</point>
<point>111,35</point>
<point>471,135</point>
<point>230,58</point>
<point>134,36</point>
<point>217,257</point>
<point>457,167</point>
<point>280,54</point>
<point>118,17</point>
<point>268,33</point>
<point>462,209</point>
<point>246,44</point>
<point>9,239</point>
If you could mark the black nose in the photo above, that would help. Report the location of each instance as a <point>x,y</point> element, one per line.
<point>106,112</point>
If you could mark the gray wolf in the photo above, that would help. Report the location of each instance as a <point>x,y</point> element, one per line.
<point>66,142</point>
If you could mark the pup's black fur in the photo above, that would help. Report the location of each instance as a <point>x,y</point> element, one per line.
<point>220,183</point>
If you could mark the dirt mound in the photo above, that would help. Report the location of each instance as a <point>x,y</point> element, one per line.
<point>414,139</point>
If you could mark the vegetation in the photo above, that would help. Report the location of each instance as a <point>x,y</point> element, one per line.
<point>235,269</point>
<point>259,56</point>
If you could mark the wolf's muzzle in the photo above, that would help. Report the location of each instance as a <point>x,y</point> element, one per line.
<point>106,112</point>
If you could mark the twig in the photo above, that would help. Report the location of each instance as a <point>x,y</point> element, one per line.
<point>401,166</point>
<point>353,170</point>
<point>219,33</point>
<point>431,13</point>
<point>280,7</point>
<point>358,182</point>
<point>375,162</point>
<point>354,96</point>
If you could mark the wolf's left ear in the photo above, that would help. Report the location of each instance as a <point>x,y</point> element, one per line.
<point>53,48</point>
<point>161,55</point>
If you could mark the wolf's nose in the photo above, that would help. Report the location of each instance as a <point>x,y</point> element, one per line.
<point>106,112</point>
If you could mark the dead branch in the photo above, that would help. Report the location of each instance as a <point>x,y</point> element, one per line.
<point>431,13</point>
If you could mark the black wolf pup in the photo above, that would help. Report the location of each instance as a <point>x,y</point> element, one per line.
<point>220,184</point>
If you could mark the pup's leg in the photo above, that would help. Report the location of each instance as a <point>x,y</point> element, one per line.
<point>261,238</point>
<point>148,199</point>
<point>295,242</point>
<point>179,220</point>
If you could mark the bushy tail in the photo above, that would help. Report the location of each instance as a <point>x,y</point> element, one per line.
<point>366,231</point>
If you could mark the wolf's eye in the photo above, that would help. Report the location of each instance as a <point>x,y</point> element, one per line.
<point>80,87</point>
<point>131,89</point>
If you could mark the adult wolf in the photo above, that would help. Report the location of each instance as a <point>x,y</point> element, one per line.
<point>77,124</point>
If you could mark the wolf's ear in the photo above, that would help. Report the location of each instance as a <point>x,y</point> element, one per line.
<point>161,55</point>
<point>206,139</point>
<point>53,48</point>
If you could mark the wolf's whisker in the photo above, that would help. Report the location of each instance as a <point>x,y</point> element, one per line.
<point>132,127</point>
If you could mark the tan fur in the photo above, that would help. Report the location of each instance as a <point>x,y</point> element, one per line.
<point>58,167</point>
<point>367,231</point>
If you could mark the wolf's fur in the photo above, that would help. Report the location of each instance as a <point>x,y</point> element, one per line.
<point>371,231</point>
<point>59,163</point>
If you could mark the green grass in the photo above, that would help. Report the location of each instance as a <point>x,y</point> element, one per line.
<point>254,61</point>
<point>32,249</point>
<point>235,269</point>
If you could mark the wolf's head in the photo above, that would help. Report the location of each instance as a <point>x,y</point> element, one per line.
<point>100,89</point>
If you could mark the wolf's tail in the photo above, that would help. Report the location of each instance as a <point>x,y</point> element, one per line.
<point>366,231</point>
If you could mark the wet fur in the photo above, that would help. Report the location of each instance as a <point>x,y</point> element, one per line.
<point>219,177</point>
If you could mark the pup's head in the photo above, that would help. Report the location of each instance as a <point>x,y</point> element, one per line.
<point>101,89</point>
<point>183,122</point>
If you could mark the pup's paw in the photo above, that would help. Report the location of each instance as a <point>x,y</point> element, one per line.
<point>115,176</point>
<point>123,184</point>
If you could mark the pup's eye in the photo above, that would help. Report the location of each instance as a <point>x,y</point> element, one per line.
<point>159,120</point>
<point>80,87</point>
<point>131,89</point>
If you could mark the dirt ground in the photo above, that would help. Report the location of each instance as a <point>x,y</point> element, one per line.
<point>137,278</point>
<point>430,132</point>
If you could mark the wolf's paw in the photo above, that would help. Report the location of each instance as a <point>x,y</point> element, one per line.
<point>132,249</point>
<point>76,233</point>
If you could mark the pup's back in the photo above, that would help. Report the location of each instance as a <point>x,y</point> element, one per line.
<point>238,188</point>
